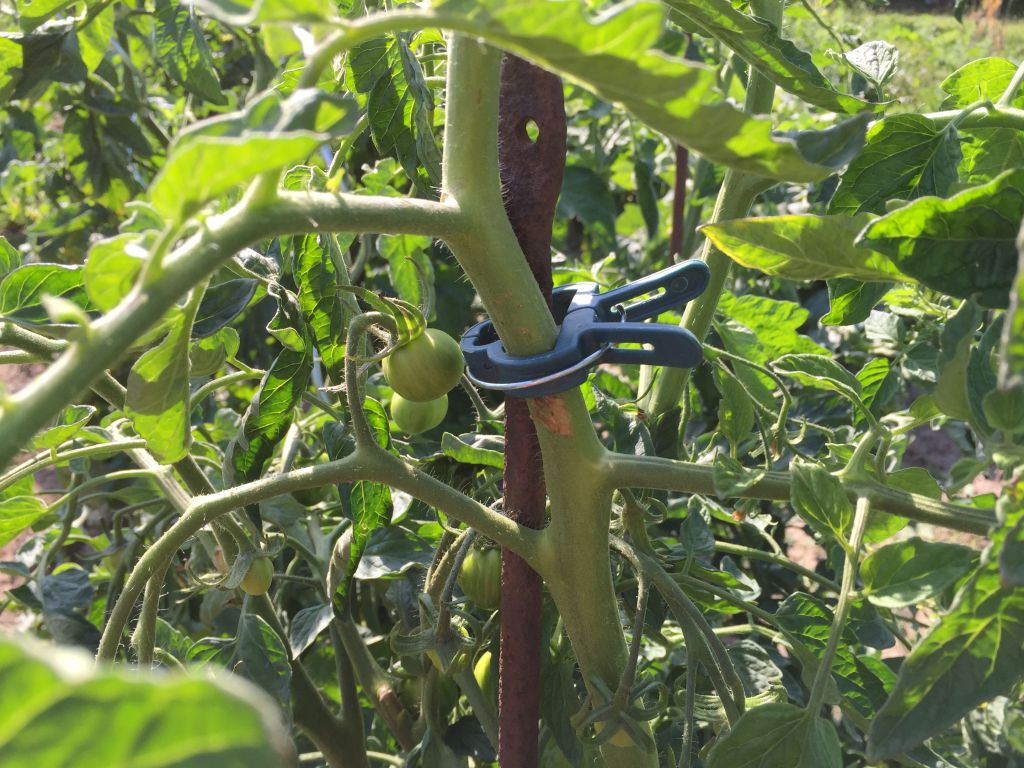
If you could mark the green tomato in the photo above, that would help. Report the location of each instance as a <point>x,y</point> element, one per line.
<point>257,579</point>
<point>413,418</point>
<point>480,577</point>
<point>426,368</point>
<point>485,678</point>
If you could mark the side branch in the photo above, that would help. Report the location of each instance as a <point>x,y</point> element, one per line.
<point>624,471</point>
<point>198,257</point>
<point>379,466</point>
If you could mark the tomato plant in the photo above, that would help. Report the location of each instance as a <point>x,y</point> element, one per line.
<point>233,230</point>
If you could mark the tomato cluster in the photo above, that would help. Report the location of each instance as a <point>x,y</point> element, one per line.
<point>421,373</point>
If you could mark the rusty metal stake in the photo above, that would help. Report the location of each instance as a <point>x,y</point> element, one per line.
<point>531,134</point>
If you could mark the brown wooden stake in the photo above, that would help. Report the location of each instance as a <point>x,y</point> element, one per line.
<point>531,176</point>
<point>679,202</point>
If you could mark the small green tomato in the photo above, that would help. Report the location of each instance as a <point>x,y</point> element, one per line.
<point>426,368</point>
<point>480,577</point>
<point>257,579</point>
<point>413,417</point>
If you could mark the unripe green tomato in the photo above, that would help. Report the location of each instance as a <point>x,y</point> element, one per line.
<point>426,368</point>
<point>412,417</point>
<point>257,579</point>
<point>485,678</point>
<point>480,577</point>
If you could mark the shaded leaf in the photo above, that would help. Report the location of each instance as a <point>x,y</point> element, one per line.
<point>974,653</point>
<point>775,735</point>
<point>221,304</point>
<point>964,246</point>
<point>910,571</point>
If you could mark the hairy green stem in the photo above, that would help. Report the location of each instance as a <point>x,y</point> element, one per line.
<point>820,686</point>
<point>624,471</point>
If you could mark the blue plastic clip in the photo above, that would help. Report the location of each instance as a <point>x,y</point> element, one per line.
<point>591,324</point>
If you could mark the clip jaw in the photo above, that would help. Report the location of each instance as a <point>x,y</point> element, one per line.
<point>591,323</point>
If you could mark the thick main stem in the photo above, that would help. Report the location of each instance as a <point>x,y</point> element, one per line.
<point>574,548</point>
<point>734,200</point>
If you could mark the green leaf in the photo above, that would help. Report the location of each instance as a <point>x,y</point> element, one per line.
<point>820,373</point>
<point>473,449</point>
<point>911,571</point>
<point>409,266</point>
<point>215,155</point>
<point>875,61</point>
<point>759,44</point>
<point>9,257</point>
<point>16,514</point>
<point>802,247</point>
<point>10,66</point>
<point>776,323</point>
<point>158,397</point>
<point>964,246</point>
<point>732,478</point>
<point>974,653</point>
<point>980,79</point>
<point>851,301</point>
<point>906,157</point>
<point>807,620</point>
<point>399,106</point>
<point>208,354</point>
<point>988,152</point>
<point>183,52</point>
<point>70,421</point>
<point>776,735</point>
<point>268,417</point>
<point>306,626</point>
<point>878,383</point>
<point>256,652</point>
<point>818,497</point>
<point>221,304</point>
<point>587,197</point>
<point>317,279</point>
<point>55,702</point>
<point>94,38</point>
<point>735,410</point>
<point>22,289</point>
<point>112,267</point>
<point>32,13</point>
